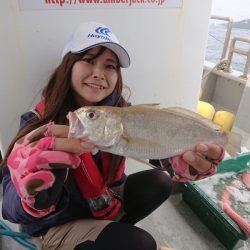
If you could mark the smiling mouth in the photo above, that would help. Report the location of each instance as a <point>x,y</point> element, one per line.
<point>94,86</point>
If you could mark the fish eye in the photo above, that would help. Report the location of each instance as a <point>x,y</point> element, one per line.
<point>92,115</point>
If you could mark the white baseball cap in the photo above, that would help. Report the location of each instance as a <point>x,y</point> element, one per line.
<point>91,34</point>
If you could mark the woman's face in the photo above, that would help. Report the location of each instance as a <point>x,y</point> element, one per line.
<point>93,80</point>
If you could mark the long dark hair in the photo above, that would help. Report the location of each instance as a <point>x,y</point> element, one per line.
<point>59,100</point>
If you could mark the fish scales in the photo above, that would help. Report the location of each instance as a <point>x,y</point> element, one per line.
<point>143,131</point>
<point>173,133</point>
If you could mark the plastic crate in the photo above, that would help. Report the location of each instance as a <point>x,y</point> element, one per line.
<point>210,213</point>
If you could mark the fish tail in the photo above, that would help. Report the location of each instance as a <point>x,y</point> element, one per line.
<point>233,146</point>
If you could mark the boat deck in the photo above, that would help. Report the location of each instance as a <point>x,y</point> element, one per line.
<point>173,224</point>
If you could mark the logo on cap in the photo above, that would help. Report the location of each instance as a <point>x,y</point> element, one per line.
<point>103,31</point>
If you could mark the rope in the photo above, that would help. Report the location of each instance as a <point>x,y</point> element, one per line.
<point>215,38</point>
<point>219,65</point>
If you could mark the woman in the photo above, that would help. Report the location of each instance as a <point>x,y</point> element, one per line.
<point>67,197</point>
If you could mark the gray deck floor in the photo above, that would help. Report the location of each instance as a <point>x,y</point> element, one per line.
<point>173,225</point>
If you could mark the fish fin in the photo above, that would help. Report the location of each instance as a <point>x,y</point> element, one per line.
<point>190,114</point>
<point>125,136</point>
<point>141,145</point>
<point>139,142</point>
<point>233,146</point>
<point>143,161</point>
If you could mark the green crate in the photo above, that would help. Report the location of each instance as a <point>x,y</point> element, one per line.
<point>210,213</point>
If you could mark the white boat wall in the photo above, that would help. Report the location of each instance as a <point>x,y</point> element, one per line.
<point>229,92</point>
<point>228,89</point>
<point>161,41</point>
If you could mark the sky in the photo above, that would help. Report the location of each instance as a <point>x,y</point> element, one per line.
<point>237,9</point>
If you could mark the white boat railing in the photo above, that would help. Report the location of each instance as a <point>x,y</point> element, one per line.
<point>246,53</point>
<point>228,34</point>
<point>228,63</point>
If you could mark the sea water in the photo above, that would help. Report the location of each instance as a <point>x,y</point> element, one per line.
<point>215,43</point>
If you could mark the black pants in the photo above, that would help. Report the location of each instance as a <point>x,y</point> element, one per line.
<point>143,193</point>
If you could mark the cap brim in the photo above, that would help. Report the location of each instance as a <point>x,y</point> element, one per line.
<point>121,53</point>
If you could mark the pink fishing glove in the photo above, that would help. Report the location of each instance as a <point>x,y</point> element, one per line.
<point>183,172</point>
<point>30,163</point>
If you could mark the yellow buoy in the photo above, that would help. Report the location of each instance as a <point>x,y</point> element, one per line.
<point>225,119</point>
<point>205,109</point>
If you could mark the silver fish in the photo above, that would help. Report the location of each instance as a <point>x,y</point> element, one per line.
<point>147,131</point>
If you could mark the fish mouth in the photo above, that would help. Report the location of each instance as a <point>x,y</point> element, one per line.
<point>94,85</point>
<point>76,128</point>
